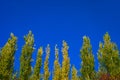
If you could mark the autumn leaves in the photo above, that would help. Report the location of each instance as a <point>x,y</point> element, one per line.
<point>108,56</point>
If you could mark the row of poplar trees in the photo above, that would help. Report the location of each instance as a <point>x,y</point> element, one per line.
<point>108,56</point>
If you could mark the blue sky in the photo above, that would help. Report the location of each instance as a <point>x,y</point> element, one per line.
<point>56,20</point>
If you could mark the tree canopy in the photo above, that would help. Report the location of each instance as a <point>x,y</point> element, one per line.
<point>108,55</point>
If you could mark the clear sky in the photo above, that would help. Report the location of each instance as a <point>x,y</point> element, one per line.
<point>52,21</point>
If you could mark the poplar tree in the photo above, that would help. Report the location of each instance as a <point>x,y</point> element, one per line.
<point>7,58</point>
<point>36,73</point>
<point>46,64</point>
<point>87,65</point>
<point>108,56</point>
<point>74,73</point>
<point>26,56</point>
<point>57,68</point>
<point>65,62</point>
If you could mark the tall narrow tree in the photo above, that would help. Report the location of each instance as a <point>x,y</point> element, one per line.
<point>57,68</point>
<point>108,55</point>
<point>74,74</point>
<point>46,64</point>
<point>26,56</point>
<point>87,65</point>
<point>36,73</point>
<point>7,58</point>
<point>65,62</point>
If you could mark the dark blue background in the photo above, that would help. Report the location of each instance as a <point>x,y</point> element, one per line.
<point>56,20</point>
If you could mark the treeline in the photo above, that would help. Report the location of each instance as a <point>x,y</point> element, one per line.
<point>108,56</point>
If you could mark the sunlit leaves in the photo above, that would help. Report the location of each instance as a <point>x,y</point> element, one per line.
<point>57,68</point>
<point>26,56</point>
<point>36,73</point>
<point>87,66</point>
<point>46,63</point>
<point>74,73</point>
<point>65,62</point>
<point>108,56</point>
<point>7,58</point>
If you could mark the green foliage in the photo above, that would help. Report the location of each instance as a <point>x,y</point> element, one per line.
<point>74,73</point>
<point>87,65</point>
<point>57,68</point>
<point>7,58</point>
<point>65,62</point>
<point>25,59</point>
<point>46,64</point>
<point>108,56</point>
<point>36,74</point>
